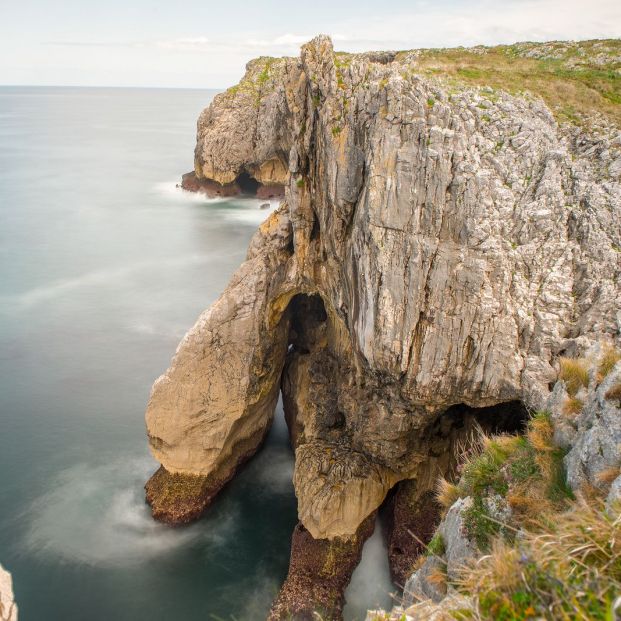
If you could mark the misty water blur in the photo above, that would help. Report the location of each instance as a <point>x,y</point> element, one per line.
<point>104,264</point>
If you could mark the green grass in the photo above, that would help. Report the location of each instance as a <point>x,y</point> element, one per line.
<point>570,91</point>
<point>436,546</point>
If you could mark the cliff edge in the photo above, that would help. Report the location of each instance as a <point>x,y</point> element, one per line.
<point>446,235</point>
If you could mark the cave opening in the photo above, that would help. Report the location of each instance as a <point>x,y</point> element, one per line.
<point>307,321</point>
<point>247,184</point>
<point>508,417</point>
<point>411,511</point>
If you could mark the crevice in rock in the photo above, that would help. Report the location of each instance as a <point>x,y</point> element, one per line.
<point>307,328</point>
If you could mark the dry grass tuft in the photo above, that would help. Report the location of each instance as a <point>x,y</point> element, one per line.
<point>607,362</point>
<point>608,475</point>
<point>437,577</point>
<point>446,493</point>
<point>567,567</point>
<point>572,407</point>
<point>575,373</point>
<point>614,393</point>
<point>528,501</point>
<point>540,432</point>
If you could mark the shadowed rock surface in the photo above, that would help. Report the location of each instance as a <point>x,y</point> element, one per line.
<point>439,246</point>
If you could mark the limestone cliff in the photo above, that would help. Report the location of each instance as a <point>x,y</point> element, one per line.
<point>440,245</point>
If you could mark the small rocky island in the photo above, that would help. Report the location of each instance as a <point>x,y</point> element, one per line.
<point>449,241</point>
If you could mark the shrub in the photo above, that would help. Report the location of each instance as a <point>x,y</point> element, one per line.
<point>527,471</point>
<point>567,567</point>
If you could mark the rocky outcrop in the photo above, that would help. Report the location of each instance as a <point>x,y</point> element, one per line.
<point>453,550</point>
<point>8,607</point>
<point>319,571</point>
<point>587,422</point>
<point>243,185</point>
<point>439,246</point>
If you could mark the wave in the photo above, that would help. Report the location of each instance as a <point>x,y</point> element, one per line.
<point>240,209</point>
<point>98,516</point>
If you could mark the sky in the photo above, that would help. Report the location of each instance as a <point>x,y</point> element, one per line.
<point>205,44</point>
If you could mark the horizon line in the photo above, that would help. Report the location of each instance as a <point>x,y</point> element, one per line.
<point>171,88</point>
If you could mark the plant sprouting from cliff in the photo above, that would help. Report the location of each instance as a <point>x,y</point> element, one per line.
<point>565,566</point>
<point>614,393</point>
<point>523,472</point>
<point>607,362</point>
<point>575,373</point>
<point>446,492</point>
<point>572,406</point>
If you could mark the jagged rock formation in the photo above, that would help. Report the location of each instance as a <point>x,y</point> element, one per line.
<point>590,431</point>
<point>439,246</point>
<point>8,607</point>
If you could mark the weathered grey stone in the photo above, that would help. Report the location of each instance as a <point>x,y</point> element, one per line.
<point>419,587</point>
<point>459,549</point>
<point>593,437</point>
<point>613,500</point>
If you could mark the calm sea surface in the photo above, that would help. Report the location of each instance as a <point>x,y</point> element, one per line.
<point>104,265</point>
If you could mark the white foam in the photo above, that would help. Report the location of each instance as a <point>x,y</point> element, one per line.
<point>275,469</point>
<point>172,190</point>
<point>370,585</point>
<point>235,208</point>
<point>98,516</point>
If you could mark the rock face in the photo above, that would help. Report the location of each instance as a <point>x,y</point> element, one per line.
<point>438,248</point>
<point>8,607</point>
<point>592,435</point>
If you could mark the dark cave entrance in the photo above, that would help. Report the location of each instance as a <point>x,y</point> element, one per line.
<point>508,417</point>
<point>411,513</point>
<point>308,316</point>
<point>307,333</point>
<point>247,184</point>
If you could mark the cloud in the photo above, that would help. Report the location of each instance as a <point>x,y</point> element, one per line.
<point>217,57</point>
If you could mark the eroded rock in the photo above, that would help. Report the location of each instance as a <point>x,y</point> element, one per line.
<point>459,239</point>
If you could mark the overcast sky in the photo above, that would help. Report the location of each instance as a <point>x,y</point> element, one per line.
<point>205,44</point>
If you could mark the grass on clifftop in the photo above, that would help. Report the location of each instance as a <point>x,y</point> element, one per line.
<point>572,83</point>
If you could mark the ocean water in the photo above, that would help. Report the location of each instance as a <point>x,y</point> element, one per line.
<point>104,264</point>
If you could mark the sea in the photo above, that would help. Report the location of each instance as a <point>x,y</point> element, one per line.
<point>104,265</point>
